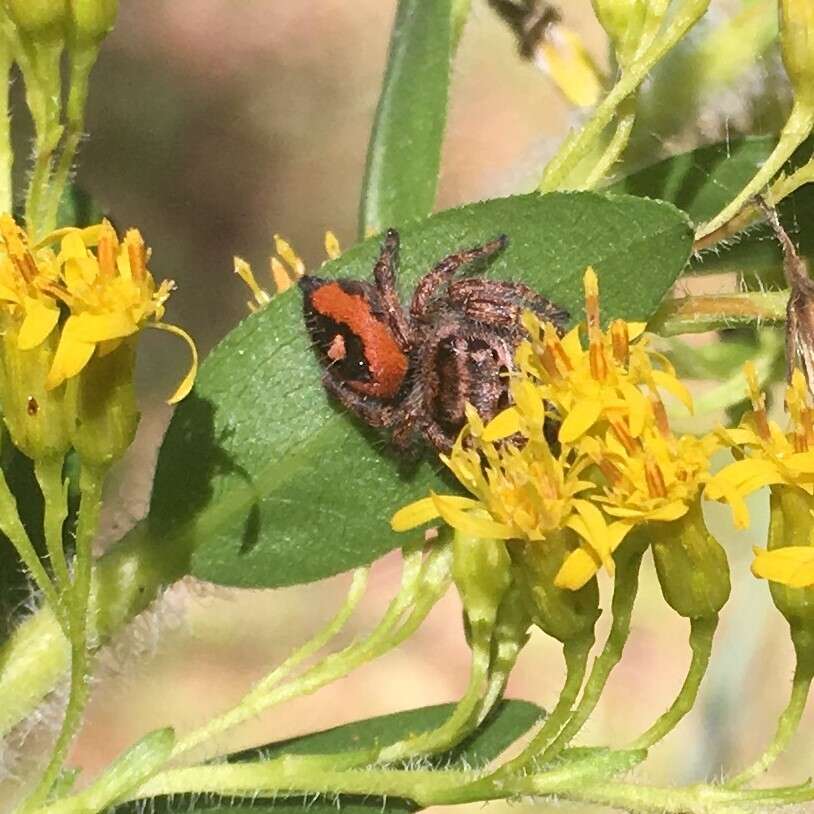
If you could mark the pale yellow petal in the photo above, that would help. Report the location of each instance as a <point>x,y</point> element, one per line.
<point>672,385</point>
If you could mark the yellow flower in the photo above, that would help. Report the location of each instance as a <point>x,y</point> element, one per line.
<point>520,492</point>
<point>109,296</point>
<point>655,478</point>
<point>784,461</point>
<point>24,278</point>
<point>590,386</point>
<point>285,270</point>
<point>771,457</point>
<point>94,300</point>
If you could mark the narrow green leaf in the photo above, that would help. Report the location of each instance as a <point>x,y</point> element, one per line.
<point>404,153</point>
<point>509,721</point>
<point>272,484</point>
<point>703,181</point>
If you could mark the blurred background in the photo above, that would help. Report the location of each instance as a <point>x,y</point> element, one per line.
<point>214,124</point>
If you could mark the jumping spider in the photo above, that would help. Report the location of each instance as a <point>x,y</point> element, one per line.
<point>411,371</point>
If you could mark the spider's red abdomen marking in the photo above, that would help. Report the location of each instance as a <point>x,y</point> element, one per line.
<point>386,362</point>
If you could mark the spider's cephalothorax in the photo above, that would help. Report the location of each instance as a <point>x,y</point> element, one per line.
<point>413,370</point>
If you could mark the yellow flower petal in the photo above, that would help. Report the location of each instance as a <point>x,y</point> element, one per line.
<point>41,317</point>
<point>103,327</point>
<point>71,356</point>
<point>504,424</point>
<point>477,524</point>
<point>422,511</point>
<point>189,379</point>
<point>792,566</point>
<point>579,567</point>
<point>581,418</point>
<point>672,385</point>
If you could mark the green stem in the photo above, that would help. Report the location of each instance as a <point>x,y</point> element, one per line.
<point>702,632</point>
<point>616,146</point>
<point>575,653</point>
<point>787,724</point>
<point>626,585</point>
<point>577,145</point>
<point>702,313</point>
<point>6,153</point>
<point>795,131</point>
<point>422,586</point>
<point>126,580</point>
<point>12,527</point>
<point>48,472</point>
<point>41,70</point>
<point>82,62</point>
<point>90,488</point>
<point>463,719</point>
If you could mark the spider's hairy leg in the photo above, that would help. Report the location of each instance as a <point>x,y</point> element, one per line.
<point>442,272</point>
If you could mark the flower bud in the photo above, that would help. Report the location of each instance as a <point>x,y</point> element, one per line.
<point>791,524</point>
<point>691,565</point>
<point>797,47</point>
<point>39,420</point>
<point>40,19</point>
<point>623,21</point>
<point>105,404</point>
<point>92,20</point>
<point>481,570</point>
<point>559,612</point>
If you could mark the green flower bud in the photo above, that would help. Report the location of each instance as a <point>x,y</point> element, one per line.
<point>630,25</point>
<point>481,570</point>
<point>797,46</point>
<point>791,523</point>
<point>39,421</point>
<point>40,19</point>
<point>92,20</point>
<point>691,565</point>
<point>559,612</point>
<point>105,404</point>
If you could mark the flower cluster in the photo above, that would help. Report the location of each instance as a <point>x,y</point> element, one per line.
<point>67,303</point>
<point>617,464</point>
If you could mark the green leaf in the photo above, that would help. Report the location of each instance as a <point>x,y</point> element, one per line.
<point>509,721</point>
<point>404,153</point>
<point>703,181</point>
<point>272,484</point>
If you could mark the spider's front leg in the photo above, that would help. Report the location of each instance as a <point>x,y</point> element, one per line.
<point>443,271</point>
<point>384,275</point>
<point>371,412</point>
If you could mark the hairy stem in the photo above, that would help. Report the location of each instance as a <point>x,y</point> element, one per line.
<point>577,145</point>
<point>12,527</point>
<point>701,313</point>
<point>702,632</point>
<point>48,472</point>
<point>575,654</point>
<point>626,584</point>
<point>787,724</point>
<point>90,488</point>
<point>422,585</point>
